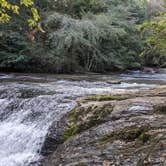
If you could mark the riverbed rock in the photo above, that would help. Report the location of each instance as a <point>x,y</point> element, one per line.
<point>128,129</point>
<point>150,70</point>
<point>114,81</point>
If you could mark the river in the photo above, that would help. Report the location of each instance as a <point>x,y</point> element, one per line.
<point>29,103</point>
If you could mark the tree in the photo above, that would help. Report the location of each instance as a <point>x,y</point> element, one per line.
<point>7,9</point>
<point>154,34</point>
<point>99,37</point>
<point>153,31</point>
<point>155,5</point>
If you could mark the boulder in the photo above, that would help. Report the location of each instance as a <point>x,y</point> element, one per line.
<point>149,70</point>
<point>114,82</point>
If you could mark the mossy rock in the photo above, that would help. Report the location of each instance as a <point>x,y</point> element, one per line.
<point>144,137</point>
<point>81,119</point>
<point>160,109</point>
<point>70,131</point>
<point>105,97</point>
<point>128,134</point>
<point>81,164</point>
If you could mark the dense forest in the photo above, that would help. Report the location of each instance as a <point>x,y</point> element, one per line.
<point>84,36</point>
<point>82,82</point>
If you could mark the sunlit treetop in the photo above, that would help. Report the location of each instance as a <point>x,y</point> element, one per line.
<point>6,8</point>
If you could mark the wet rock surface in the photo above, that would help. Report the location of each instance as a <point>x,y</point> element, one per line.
<point>126,129</point>
<point>38,126</point>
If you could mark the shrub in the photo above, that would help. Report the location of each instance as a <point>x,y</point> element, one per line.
<point>96,44</point>
<point>154,35</point>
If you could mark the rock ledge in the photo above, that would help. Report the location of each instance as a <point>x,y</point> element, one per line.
<point>126,129</point>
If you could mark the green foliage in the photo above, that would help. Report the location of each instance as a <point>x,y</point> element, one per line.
<point>154,34</point>
<point>70,131</point>
<point>92,35</point>
<point>77,8</point>
<point>12,51</point>
<point>101,42</point>
<point>6,7</point>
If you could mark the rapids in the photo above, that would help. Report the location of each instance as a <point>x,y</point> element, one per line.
<point>30,103</point>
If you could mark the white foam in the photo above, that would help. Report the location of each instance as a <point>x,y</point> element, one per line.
<point>23,131</point>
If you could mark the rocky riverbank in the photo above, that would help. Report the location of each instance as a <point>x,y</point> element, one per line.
<point>127,129</point>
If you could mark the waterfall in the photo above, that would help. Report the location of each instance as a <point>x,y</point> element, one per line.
<point>29,106</point>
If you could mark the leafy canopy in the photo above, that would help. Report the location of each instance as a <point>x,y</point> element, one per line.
<point>81,35</point>
<point>7,8</point>
<point>154,35</point>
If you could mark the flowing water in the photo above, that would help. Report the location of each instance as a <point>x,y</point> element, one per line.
<point>30,103</point>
